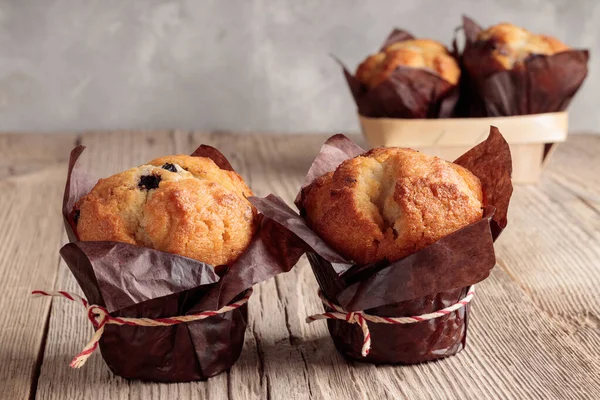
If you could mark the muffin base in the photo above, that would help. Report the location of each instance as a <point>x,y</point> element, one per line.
<point>411,343</point>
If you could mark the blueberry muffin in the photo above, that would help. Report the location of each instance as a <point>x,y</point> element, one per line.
<point>417,53</point>
<point>177,204</point>
<point>391,202</point>
<point>506,46</point>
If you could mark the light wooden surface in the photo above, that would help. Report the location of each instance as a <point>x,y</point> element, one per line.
<point>535,327</point>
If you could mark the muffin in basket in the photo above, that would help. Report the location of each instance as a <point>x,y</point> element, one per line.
<point>408,77</point>
<point>415,53</point>
<point>509,71</point>
<point>506,46</point>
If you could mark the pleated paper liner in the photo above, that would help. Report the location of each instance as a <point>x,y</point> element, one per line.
<point>406,93</point>
<point>531,138</point>
<point>138,282</point>
<point>426,281</point>
<point>541,84</point>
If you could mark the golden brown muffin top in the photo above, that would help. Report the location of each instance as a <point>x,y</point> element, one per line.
<point>417,53</point>
<point>177,204</point>
<point>511,44</point>
<point>391,202</point>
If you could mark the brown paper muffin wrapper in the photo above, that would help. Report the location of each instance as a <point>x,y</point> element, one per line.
<point>543,84</point>
<point>406,93</point>
<point>138,282</point>
<point>426,281</point>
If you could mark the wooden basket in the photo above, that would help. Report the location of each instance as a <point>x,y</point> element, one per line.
<point>532,138</point>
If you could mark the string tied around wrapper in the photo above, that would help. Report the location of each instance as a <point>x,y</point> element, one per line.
<point>361,318</point>
<point>100,317</point>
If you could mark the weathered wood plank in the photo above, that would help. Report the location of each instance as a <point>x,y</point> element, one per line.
<point>29,237</point>
<point>514,351</point>
<point>26,154</point>
<point>553,256</point>
<point>552,246</point>
<point>577,162</point>
<point>522,342</point>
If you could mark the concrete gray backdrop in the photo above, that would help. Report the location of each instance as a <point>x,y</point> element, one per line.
<point>260,65</point>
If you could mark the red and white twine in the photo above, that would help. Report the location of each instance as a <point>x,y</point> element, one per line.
<point>361,318</point>
<point>100,317</point>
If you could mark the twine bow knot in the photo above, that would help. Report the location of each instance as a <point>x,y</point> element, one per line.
<point>361,318</point>
<point>97,315</point>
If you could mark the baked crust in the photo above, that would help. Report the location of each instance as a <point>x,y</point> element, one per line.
<point>506,46</point>
<point>391,202</point>
<point>177,204</point>
<point>417,53</point>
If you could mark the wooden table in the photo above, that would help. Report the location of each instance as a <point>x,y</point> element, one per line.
<point>535,330</point>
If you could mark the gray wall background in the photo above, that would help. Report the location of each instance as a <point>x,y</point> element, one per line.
<point>251,66</point>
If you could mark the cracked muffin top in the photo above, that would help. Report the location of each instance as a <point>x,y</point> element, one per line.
<point>177,204</point>
<point>505,46</point>
<point>417,53</point>
<point>391,202</point>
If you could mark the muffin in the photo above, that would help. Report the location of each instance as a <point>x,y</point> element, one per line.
<point>416,53</point>
<point>391,202</point>
<point>506,46</point>
<point>176,204</point>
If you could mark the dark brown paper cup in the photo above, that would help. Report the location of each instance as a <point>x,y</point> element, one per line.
<point>401,344</point>
<point>406,344</point>
<point>542,84</point>
<point>406,93</point>
<point>410,343</point>
<point>162,354</point>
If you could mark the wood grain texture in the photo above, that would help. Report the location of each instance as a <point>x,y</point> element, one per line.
<point>30,233</point>
<point>577,162</point>
<point>24,154</point>
<point>534,329</point>
<point>558,232</point>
